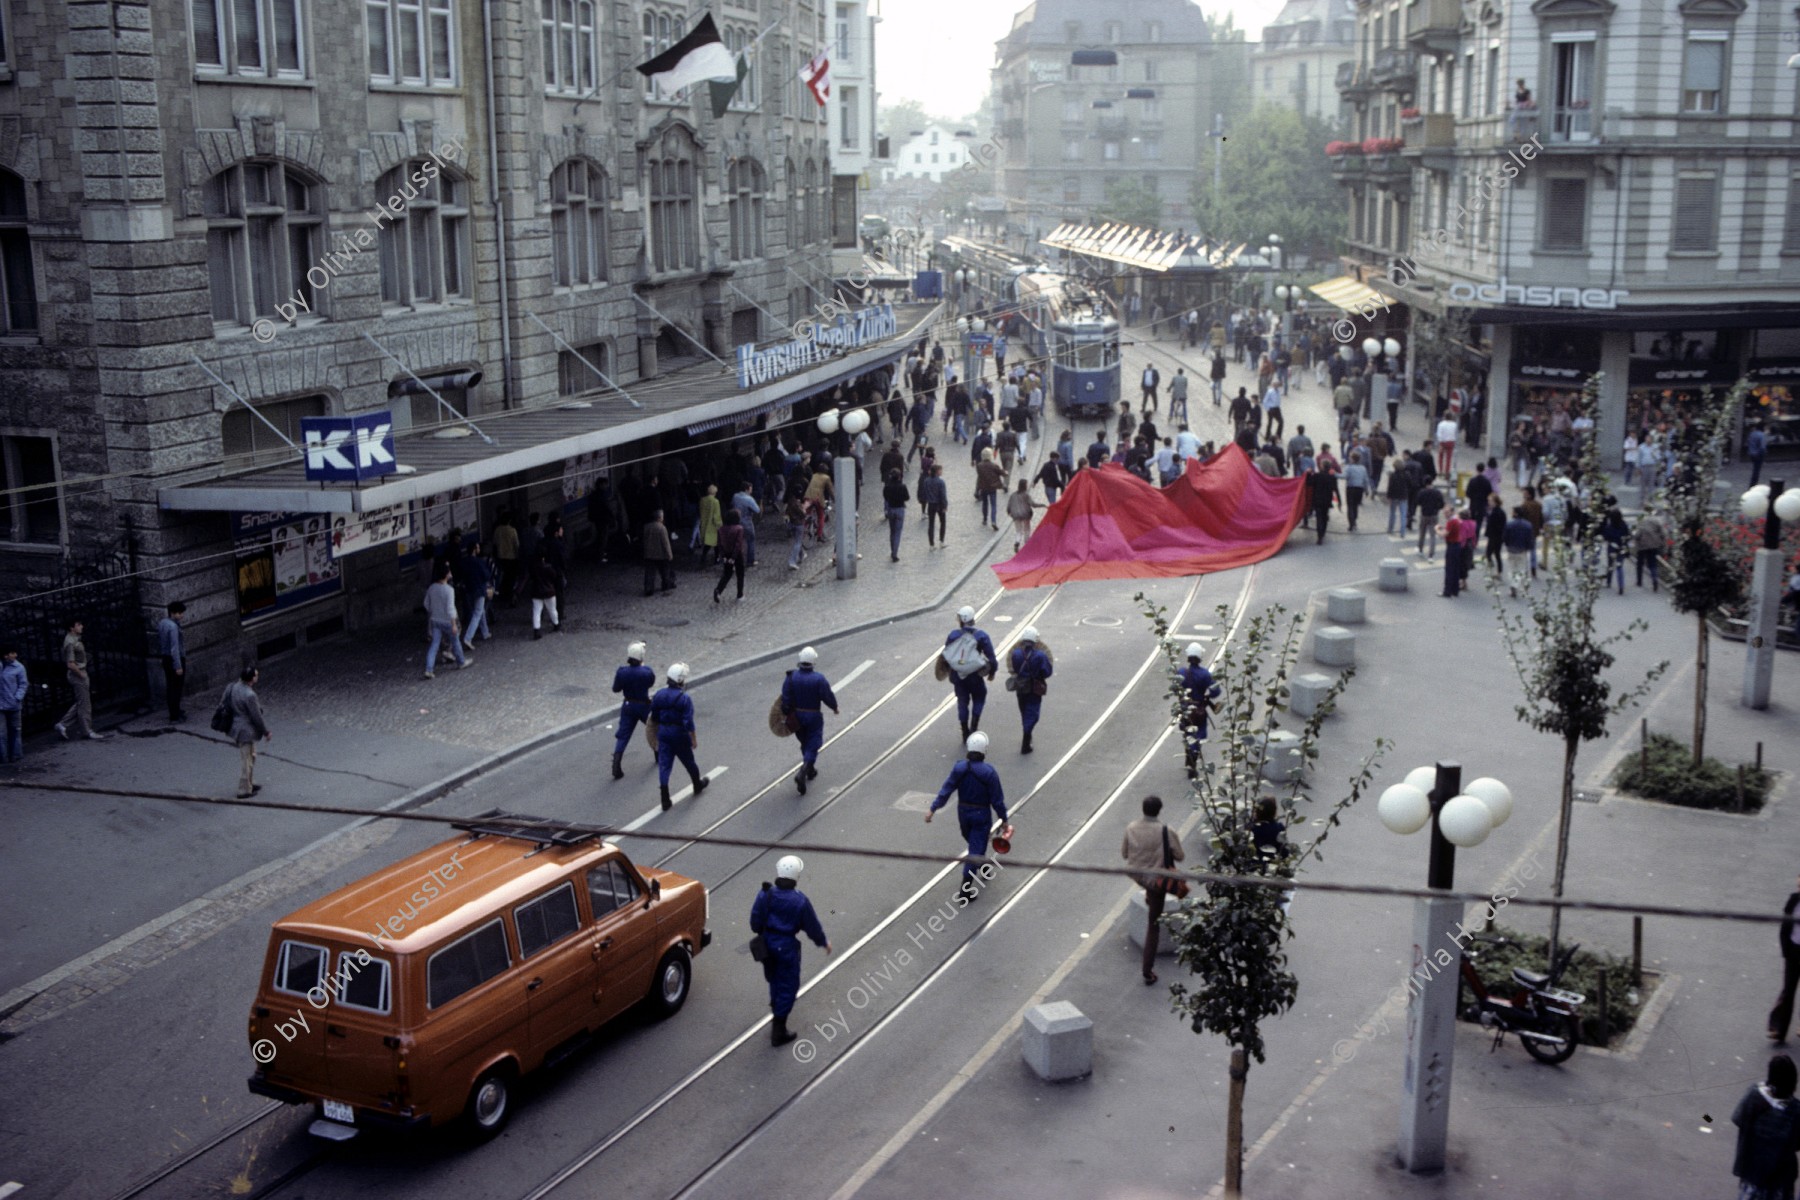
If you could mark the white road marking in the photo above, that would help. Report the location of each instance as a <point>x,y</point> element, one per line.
<point>676,798</point>
<point>849,679</point>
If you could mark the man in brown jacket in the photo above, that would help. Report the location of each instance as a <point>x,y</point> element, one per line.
<point>659,555</point>
<point>1151,846</point>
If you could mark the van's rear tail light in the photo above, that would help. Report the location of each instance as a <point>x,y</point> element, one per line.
<point>260,1011</point>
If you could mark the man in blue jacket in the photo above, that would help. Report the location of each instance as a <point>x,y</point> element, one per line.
<point>634,681</point>
<point>805,694</point>
<point>1031,666</point>
<point>13,686</point>
<point>780,914</point>
<point>966,675</point>
<point>979,799</point>
<point>172,648</point>
<point>1198,693</point>
<point>672,711</point>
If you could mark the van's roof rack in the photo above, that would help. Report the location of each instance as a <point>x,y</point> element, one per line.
<point>541,831</point>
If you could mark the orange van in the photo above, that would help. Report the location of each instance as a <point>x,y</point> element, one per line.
<point>424,991</point>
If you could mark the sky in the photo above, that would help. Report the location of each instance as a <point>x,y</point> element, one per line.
<point>939,52</point>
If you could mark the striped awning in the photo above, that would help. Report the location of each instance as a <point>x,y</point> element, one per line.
<point>1141,247</point>
<point>1350,294</point>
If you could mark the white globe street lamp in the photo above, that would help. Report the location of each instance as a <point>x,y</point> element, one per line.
<point>1371,347</point>
<point>1391,347</point>
<point>855,421</point>
<point>828,421</point>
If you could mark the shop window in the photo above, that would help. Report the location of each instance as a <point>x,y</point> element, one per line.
<point>248,441</point>
<point>411,42</point>
<point>578,241</point>
<point>425,250</point>
<point>1565,214</point>
<point>30,498</point>
<point>1703,73</point>
<point>265,231</point>
<point>1696,212</point>
<point>259,38</point>
<point>18,274</point>
<point>574,375</point>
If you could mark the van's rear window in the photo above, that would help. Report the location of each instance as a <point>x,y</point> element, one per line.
<point>468,963</point>
<point>299,967</point>
<point>362,986</point>
<point>546,920</point>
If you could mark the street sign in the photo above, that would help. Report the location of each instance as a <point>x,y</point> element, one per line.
<point>981,344</point>
<point>349,449</point>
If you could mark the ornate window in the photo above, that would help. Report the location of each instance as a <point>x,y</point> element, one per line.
<point>739,40</point>
<point>571,46</point>
<point>674,236</point>
<point>425,250</point>
<point>661,30</point>
<point>265,234</point>
<point>18,274</point>
<point>811,219</point>
<point>411,41</point>
<point>31,510</point>
<point>250,37</point>
<point>745,188</point>
<point>578,242</point>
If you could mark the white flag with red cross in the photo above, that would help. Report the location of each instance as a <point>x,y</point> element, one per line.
<point>816,75</point>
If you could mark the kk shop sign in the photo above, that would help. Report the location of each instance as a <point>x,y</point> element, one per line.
<point>349,449</point>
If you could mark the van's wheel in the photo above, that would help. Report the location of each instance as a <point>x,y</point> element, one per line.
<point>490,1103</point>
<point>674,975</point>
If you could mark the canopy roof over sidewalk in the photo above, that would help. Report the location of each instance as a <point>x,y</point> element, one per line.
<point>1351,294</point>
<point>1139,246</point>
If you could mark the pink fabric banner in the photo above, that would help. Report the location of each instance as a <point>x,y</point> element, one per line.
<point>1109,524</point>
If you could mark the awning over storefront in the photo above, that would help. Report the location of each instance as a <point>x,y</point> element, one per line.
<point>701,397</point>
<point>1139,246</point>
<point>1351,294</point>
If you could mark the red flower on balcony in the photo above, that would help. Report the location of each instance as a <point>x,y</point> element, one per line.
<point>1380,145</point>
<point>1409,114</point>
<point>1339,149</point>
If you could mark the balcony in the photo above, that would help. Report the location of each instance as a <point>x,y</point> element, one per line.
<point>1353,83</point>
<point>1392,172</point>
<point>1436,26</point>
<point>1430,139</point>
<point>1348,168</point>
<point>1395,70</point>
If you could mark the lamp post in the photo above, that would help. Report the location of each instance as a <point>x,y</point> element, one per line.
<point>1773,505</point>
<point>961,275</point>
<point>1379,350</point>
<point>964,327</point>
<point>1457,816</point>
<point>843,470</point>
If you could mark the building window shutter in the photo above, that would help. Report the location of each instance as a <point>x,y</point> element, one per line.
<point>1565,214</point>
<point>1696,212</point>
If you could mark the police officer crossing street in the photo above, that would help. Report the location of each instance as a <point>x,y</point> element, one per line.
<point>804,695</point>
<point>1031,670</point>
<point>1198,693</point>
<point>979,799</point>
<point>779,915</point>
<point>968,655</point>
<point>634,680</point>
<point>672,712</point>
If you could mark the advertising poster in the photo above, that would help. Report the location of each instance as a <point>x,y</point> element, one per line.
<point>283,560</point>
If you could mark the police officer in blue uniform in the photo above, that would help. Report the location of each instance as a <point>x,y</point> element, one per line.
<point>971,689</point>
<point>804,695</point>
<point>979,799</point>
<point>780,914</point>
<point>1198,693</point>
<point>635,680</point>
<point>1032,667</point>
<point>672,710</point>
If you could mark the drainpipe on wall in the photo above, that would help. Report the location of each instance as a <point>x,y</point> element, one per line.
<point>494,194</point>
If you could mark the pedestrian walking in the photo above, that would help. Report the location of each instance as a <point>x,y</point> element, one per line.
<point>1356,482</point>
<point>934,497</point>
<point>1768,1123</point>
<point>1400,488</point>
<point>968,662</point>
<point>1030,667</point>
<point>1217,373</point>
<point>659,559</point>
<point>540,589</point>
<point>1178,395</point>
<point>1431,503</point>
<point>779,915</point>
<point>748,510</point>
<point>172,647</point>
<point>440,611</point>
<point>1615,533</point>
<point>1756,448</point>
<point>705,538</point>
<point>1446,442</point>
<point>1019,506</point>
<point>1151,380</point>
<point>1054,475</point>
<point>677,737</point>
<point>979,799</point>
<point>1199,692</point>
<point>556,552</point>
<point>1494,529</point>
<point>1783,1012</point>
<point>75,664</point>
<point>1519,540</point>
<point>1650,539</point>
<point>1272,418</point>
<point>1149,846</point>
<point>14,685</point>
<point>805,694</point>
<point>633,681</point>
<point>477,578</point>
<point>247,726</point>
<point>1323,488</point>
<point>506,553</point>
<point>990,480</point>
<point>733,554</point>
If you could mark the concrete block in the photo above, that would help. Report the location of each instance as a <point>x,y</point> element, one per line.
<point>1306,693</point>
<point>1335,646</point>
<point>1284,762</point>
<point>1344,606</point>
<point>1057,1041</point>
<point>1393,574</point>
<point>1137,923</point>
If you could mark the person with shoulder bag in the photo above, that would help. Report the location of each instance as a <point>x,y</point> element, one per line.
<point>1149,846</point>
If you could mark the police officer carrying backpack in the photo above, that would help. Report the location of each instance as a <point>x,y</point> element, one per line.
<point>780,914</point>
<point>804,694</point>
<point>634,680</point>
<point>672,712</point>
<point>979,799</point>
<point>1198,693</point>
<point>1031,669</point>
<point>968,655</point>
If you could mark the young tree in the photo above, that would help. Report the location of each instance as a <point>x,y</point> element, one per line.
<point>1437,346</point>
<point>1552,639</point>
<point>1233,937</point>
<point>1700,581</point>
<point>1131,203</point>
<point>1272,181</point>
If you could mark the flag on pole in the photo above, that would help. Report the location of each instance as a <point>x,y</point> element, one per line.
<point>724,89</point>
<point>699,55</point>
<point>816,75</point>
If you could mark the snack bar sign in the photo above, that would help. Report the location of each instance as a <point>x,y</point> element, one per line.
<point>823,340</point>
<point>349,449</point>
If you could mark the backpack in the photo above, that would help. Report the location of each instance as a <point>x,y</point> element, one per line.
<point>964,655</point>
<point>222,715</point>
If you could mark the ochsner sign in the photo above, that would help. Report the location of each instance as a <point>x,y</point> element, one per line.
<point>1537,296</point>
<point>848,332</point>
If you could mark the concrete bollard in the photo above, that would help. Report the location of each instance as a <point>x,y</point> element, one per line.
<point>1393,574</point>
<point>1306,693</point>
<point>1057,1041</point>
<point>1284,762</point>
<point>1137,923</point>
<point>1335,646</point>
<point>1345,606</point>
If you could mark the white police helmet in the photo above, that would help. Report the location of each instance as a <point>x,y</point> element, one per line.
<point>965,615</point>
<point>977,743</point>
<point>789,867</point>
<point>1029,634</point>
<point>636,650</point>
<point>678,673</point>
<point>808,657</point>
<point>1196,650</point>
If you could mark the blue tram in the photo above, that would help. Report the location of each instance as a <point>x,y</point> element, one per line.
<point>1074,330</point>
